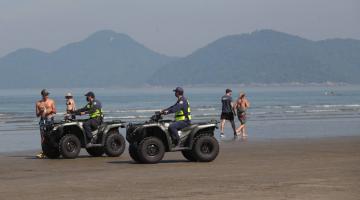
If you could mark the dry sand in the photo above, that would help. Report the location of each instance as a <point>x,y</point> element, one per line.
<point>272,169</point>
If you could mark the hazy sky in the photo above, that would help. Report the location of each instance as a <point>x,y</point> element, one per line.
<point>168,26</point>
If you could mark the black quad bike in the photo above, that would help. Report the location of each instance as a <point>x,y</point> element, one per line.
<point>66,138</point>
<point>150,140</point>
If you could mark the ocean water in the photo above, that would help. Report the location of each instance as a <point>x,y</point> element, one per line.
<point>276,112</point>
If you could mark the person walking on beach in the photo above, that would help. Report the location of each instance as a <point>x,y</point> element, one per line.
<point>45,109</point>
<point>227,112</point>
<point>70,106</point>
<point>241,106</point>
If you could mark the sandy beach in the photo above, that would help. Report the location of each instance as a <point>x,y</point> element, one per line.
<point>325,168</point>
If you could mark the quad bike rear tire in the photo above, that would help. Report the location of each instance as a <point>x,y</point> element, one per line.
<point>96,151</point>
<point>205,148</point>
<point>188,154</point>
<point>114,143</point>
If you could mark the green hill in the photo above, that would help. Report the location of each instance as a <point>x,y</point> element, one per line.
<point>265,57</point>
<point>105,58</point>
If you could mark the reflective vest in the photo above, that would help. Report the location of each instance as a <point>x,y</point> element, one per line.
<point>98,112</point>
<point>180,116</point>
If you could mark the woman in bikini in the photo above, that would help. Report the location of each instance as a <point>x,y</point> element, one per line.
<point>241,106</point>
<point>70,106</point>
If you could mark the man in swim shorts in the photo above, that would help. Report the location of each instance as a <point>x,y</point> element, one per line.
<point>45,110</point>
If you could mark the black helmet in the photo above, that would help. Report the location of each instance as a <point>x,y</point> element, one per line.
<point>90,94</point>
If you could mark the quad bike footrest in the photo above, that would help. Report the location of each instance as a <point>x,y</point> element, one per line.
<point>180,148</point>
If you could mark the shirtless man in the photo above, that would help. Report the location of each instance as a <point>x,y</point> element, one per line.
<point>45,110</point>
<point>241,105</point>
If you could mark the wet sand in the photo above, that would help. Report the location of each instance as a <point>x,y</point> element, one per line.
<point>327,168</point>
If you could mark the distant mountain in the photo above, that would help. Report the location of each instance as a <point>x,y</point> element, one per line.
<point>265,56</point>
<point>105,58</point>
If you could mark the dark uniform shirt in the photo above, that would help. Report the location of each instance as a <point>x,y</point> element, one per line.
<point>181,104</point>
<point>226,104</point>
<point>91,107</point>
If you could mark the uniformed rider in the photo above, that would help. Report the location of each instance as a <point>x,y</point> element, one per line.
<point>182,114</point>
<point>94,110</point>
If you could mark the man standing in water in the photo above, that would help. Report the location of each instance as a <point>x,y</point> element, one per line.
<point>227,112</point>
<point>45,110</point>
<point>242,104</point>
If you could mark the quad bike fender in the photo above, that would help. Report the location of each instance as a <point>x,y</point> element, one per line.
<point>72,125</point>
<point>201,129</point>
<point>158,131</point>
<point>75,128</point>
<point>108,128</point>
<point>113,126</point>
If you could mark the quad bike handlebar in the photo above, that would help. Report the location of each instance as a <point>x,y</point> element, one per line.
<point>156,117</point>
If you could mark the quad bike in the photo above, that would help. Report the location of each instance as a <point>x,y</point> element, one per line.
<point>66,138</point>
<point>151,139</point>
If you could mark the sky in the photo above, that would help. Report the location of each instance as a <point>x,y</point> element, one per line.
<point>175,28</point>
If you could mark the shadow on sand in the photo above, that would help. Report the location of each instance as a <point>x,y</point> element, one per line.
<point>30,157</point>
<point>35,158</point>
<point>163,161</point>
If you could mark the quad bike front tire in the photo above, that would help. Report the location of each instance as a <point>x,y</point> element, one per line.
<point>50,151</point>
<point>114,143</point>
<point>151,150</point>
<point>69,146</point>
<point>96,151</point>
<point>205,148</point>
<point>133,152</point>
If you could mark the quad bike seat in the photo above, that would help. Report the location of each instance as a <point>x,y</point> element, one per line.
<point>99,129</point>
<point>188,128</point>
<point>102,127</point>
